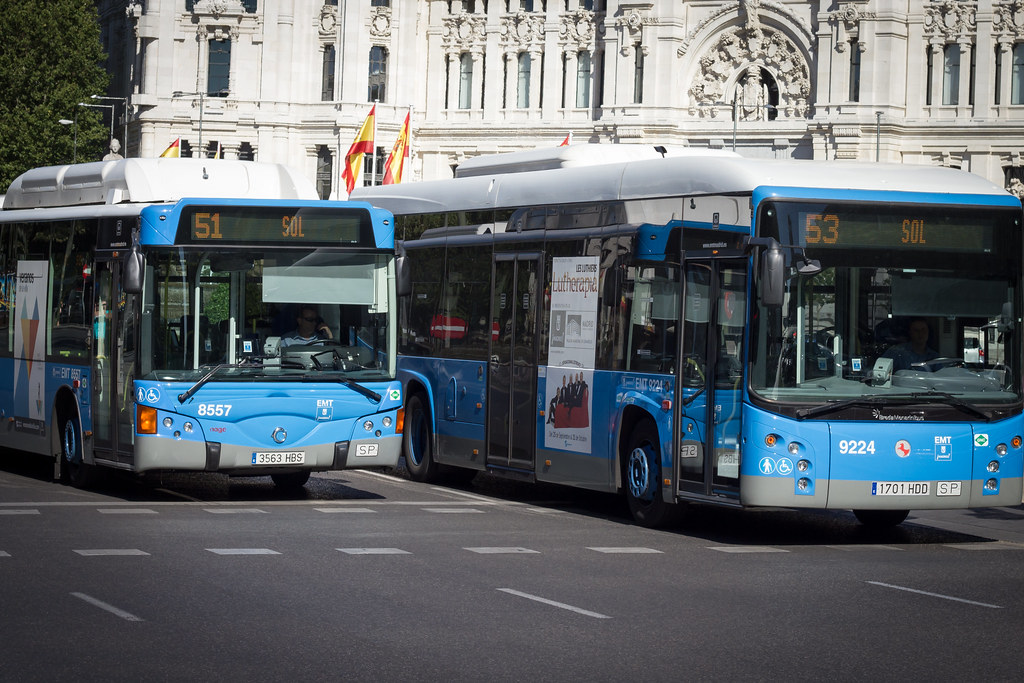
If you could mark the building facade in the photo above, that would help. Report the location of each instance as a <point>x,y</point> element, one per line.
<point>936,82</point>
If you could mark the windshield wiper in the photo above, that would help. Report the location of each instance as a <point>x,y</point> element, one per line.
<point>836,405</point>
<point>351,384</point>
<point>252,361</point>
<point>963,405</point>
<point>875,401</point>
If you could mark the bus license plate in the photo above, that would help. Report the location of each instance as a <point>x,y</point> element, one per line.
<point>900,488</point>
<point>279,458</point>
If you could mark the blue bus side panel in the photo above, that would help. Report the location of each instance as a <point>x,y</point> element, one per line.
<point>27,394</point>
<point>458,401</point>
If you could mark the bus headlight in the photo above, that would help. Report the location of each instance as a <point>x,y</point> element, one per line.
<point>993,466</point>
<point>188,427</point>
<point>803,465</point>
<point>992,485</point>
<point>368,425</point>
<point>168,422</point>
<point>386,421</point>
<point>793,447</point>
<point>803,483</point>
<point>1001,449</point>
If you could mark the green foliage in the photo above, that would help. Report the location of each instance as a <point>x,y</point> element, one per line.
<point>51,58</point>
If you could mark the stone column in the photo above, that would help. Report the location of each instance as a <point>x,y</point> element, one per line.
<point>571,66</point>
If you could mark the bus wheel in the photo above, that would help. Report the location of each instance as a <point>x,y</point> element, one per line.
<point>417,441</point>
<point>77,472</point>
<point>291,480</point>
<point>643,479</point>
<point>880,519</point>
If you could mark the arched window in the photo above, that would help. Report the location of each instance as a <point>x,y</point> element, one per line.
<point>1017,75</point>
<point>583,79</point>
<point>523,91</point>
<point>465,81</point>
<point>378,74</point>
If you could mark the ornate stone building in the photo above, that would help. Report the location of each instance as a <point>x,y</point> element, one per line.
<point>937,82</point>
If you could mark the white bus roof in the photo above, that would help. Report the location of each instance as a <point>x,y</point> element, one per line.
<point>689,174</point>
<point>151,181</point>
<point>547,158</point>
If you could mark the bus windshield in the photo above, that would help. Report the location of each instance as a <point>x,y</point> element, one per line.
<point>268,314</point>
<point>911,304</point>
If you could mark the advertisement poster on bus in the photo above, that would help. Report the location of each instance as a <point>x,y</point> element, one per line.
<point>572,348</point>
<point>30,341</point>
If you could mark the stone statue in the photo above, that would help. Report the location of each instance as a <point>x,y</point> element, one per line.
<point>748,12</point>
<point>115,148</point>
<point>753,96</point>
<point>1016,188</point>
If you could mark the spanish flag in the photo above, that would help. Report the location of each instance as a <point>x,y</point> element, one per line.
<point>173,149</point>
<point>363,144</point>
<point>396,160</point>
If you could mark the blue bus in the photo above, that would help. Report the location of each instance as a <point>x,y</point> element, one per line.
<point>198,315</point>
<point>692,326</point>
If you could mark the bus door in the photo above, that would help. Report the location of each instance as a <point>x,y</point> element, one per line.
<point>711,376</point>
<point>113,363</point>
<point>512,383</point>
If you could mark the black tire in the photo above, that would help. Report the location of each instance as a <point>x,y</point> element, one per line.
<point>418,441</point>
<point>74,470</point>
<point>881,519</point>
<point>642,478</point>
<point>291,480</point>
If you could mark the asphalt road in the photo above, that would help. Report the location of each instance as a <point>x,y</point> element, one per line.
<point>368,576</point>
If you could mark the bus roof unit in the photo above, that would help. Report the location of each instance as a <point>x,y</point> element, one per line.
<point>153,180</point>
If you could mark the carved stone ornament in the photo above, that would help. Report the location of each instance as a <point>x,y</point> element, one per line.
<point>464,31</point>
<point>522,30</point>
<point>577,28</point>
<point>763,9</point>
<point>380,22</point>
<point>217,8</point>
<point>328,19</point>
<point>1008,19</point>
<point>734,53</point>
<point>950,19</point>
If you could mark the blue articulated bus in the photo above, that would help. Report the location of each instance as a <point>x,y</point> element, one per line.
<point>199,315</point>
<point>698,327</point>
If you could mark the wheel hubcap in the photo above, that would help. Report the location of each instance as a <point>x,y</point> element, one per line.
<point>70,444</point>
<point>638,473</point>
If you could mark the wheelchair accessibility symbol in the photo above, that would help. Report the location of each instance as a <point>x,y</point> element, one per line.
<point>150,395</point>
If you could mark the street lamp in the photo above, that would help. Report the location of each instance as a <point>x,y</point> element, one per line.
<point>124,101</point>
<point>201,95</point>
<point>102,106</point>
<point>74,124</point>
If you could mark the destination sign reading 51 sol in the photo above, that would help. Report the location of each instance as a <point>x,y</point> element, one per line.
<point>276,224</point>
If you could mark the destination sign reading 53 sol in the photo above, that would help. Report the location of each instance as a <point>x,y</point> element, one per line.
<point>275,224</point>
<point>838,228</point>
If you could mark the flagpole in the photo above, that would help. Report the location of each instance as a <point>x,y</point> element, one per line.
<point>373,148</point>
<point>409,144</point>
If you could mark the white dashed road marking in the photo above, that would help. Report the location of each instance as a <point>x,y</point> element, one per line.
<point>344,509</point>
<point>560,605</point>
<point>127,616</point>
<point>243,551</point>
<point>627,551</point>
<point>374,551</point>
<point>746,549</point>
<point>933,595</point>
<point>501,551</point>
<point>111,552</point>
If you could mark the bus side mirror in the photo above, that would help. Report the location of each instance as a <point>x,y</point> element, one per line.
<point>134,267</point>
<point>773,270</point>
<point>403,277</point>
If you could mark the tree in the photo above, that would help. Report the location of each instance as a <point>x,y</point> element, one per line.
<point>51,59</point>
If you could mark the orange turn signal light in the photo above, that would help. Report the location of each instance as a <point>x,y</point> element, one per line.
<point>145,419</point>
